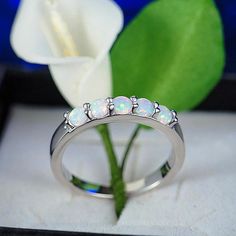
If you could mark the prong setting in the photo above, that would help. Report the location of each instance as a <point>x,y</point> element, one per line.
<point>110,104</point>
<point>66,114</point>
<point>174,122</point>
<point>87,110</point>
<point>111,107</point>
<point>156,106</point>
<point>68,126</point>
<point>86,106</point>
<point>134,100</point>
<point>109,100</point>
<point>174,113</point>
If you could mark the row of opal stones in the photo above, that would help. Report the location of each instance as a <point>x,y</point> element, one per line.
<point>122,105</point>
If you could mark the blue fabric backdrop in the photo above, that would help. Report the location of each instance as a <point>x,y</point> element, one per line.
<point>130,8</point>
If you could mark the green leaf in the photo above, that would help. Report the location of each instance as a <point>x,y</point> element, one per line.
<point>172,52</point>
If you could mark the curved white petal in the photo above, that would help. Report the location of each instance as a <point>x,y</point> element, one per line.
<point>93,25</point>
<point>83,83</point>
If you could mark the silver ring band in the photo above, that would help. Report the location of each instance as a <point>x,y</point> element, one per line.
<point>70,129</point>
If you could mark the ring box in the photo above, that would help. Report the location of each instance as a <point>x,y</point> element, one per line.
<point>37,90</point>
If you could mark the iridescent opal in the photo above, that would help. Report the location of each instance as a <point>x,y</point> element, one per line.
<point>122,105</point>
<point>77,117</point>
<point>145,107</point>
<point>99,108</point>
<point>165,116</point>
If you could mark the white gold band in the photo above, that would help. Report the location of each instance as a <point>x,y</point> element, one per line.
<point>117,110</point>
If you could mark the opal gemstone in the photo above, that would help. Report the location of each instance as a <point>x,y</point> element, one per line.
<point>122,105</point>
<point>77,117</point>
<point>99,108</point>
<point>165,116</point>
<point>145,107</point>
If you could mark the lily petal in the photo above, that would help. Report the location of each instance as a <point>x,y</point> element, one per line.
<point>93,25</point>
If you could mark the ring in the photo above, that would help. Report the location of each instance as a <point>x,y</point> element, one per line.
<point>117,110</point>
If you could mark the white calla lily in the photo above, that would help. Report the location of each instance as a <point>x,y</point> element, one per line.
<point>74,38</point>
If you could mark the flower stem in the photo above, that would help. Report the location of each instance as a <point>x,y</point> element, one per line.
<point>130,144</point>
<point>117,182</point>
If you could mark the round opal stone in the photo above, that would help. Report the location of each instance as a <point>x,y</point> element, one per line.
<point>122,105</point>
<point>145,107</point>
<point>165,116</point>
<point>99,108</point>
<point>77,117</point>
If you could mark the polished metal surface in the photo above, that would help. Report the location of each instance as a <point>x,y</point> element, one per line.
<point>63,136</point>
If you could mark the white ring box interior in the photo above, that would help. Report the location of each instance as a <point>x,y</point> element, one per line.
<point>199,201</point>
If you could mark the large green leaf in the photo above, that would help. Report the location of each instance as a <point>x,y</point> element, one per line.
<point>172,52</point>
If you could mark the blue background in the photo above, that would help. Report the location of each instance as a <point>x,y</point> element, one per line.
<point>130,8</point>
